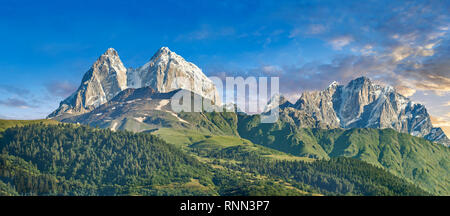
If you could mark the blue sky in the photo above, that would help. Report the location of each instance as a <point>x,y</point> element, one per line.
<point>47,46</point>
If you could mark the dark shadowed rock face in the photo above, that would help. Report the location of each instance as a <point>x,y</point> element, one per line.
<point>131,94</point>
<point>362,104</point>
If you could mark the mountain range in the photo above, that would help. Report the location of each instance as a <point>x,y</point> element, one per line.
<point>166,71</point>
<point>361,120</point>
<point>47,157</point>
<point>362,104</point>
<point>359,104</point>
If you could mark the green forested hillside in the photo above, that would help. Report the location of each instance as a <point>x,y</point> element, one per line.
<point>108,162</point>
<point>222,123</point>
<point>423,162</point>
<point>348,176</point>
<point>336,176</point>
<point>67,159</point>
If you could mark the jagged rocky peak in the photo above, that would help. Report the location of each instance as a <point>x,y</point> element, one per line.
<point>110,52</point>
<point>104,80</point>
<point>334,84</point>
<point>167,71</point>
<point>109,67</point>
<point>277,100</point>
<point>359,82</point>
<point>353,98</point>
<point>163,51</point>
<point>364,104</point>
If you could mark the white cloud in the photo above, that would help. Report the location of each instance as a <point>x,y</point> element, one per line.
<point>401,52</point>
<point>271,70</point>
<point>311,30</point>
<point>405,90</point>
<point>442,123</point>
<point>339,42</point>
<point>294,33</point>
<point>367,50</point>
<point>316,29</point>
<point>439,121</point>
<point>207,32</point>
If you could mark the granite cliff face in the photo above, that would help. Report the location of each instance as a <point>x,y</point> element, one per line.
<point>104,80</point>
<point>166,71</point>
<point>362,104</point>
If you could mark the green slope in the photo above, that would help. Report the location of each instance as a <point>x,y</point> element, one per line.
<point>5,124</point>
<point>191,140</point>
<point>331,177</point>
<point>422,162</point>
<point>65,159</point>
<point>109,162</point>
<point>337,176</point>
<point>220,123</point>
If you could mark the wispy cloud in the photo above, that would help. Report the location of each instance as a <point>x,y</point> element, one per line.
<point>58,48</point>
<point>4,117</point>
<point>271,70</point>
<point>442,123</point>
<point>316,29</point>
<point>339,42</point>
<point>312,29</point>
<point>207,32</point>
<point>60,88</point>
<point>405,90</point>
<point>14,90</point>
<point>408,48</point>
<point>17,103</point>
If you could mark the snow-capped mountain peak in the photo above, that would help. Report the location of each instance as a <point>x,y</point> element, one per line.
<point>104,80</point>
<point>333,84</point>
<point>166,71</point>
<point>363,104</point>
<point>111,52</point>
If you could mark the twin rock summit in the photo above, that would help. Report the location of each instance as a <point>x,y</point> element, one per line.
<point>116,97</point>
